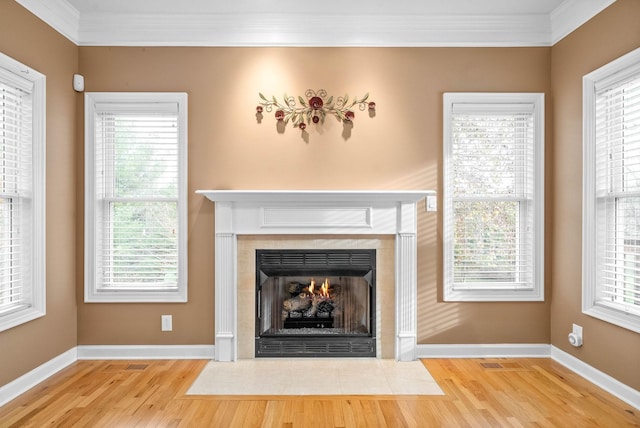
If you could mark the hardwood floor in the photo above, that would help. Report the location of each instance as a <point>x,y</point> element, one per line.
<point>478,393</point>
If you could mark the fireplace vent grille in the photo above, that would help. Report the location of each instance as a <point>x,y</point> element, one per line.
<point>316,347</point>
<point>301,260</point>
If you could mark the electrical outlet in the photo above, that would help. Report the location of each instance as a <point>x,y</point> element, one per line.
<point>575,337</point>
<point>577,330</point>
<point>167,322</point>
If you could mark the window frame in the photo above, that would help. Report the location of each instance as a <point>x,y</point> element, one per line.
<point>608,75</point>
<point>93,293</point>
<point>36,305</point>
<point>497,293</point>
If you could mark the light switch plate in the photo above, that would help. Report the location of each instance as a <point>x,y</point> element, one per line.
<point>432,203</point>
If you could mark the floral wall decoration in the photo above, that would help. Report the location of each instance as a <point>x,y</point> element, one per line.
<point>314,108</point>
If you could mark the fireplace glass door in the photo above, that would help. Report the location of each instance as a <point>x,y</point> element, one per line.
<point>315,303</point>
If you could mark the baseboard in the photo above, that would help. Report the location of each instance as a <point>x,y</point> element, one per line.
<point>145,352</point>
<point>595,376</point>
<point>27,381</point>
<point>513,350</point>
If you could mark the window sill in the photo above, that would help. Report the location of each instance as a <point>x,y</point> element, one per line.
<point>14,319</point>
<point>527,295</point>
<point>125,296</point>
<point>621,319</point>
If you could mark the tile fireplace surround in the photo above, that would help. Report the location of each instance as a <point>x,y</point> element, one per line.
<point>315,214</point>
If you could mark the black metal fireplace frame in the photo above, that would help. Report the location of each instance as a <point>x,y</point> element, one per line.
<point>330,262</point>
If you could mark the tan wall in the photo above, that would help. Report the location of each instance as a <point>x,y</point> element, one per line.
<point>30,41</point>
<point>399,148</point>
<point>614,32</point>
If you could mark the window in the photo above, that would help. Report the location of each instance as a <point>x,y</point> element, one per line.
<point>135,203</point>
<point>611,196</point>
<point>493,196</point>
<point>22,193</point>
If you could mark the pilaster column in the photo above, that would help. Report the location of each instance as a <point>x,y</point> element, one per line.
<point>225,285</point>
<point>406,283</point>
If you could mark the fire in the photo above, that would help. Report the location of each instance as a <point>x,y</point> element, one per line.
<point>323,290</point>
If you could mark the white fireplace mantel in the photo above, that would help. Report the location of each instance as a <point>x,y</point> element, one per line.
<point>319,212</point>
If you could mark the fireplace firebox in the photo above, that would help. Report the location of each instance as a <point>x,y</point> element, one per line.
<point>315,303</point>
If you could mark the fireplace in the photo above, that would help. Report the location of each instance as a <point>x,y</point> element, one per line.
<point>315,303</point>
<point>314,213</point>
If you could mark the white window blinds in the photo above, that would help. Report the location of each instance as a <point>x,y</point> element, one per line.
<point>491,183</point>
<point>611,192</point>
<point>139,178</point>
<point>22,190</point>
<point>617,174</point>
<point>16,123</point>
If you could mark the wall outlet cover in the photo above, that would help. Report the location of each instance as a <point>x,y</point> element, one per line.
<point>167,323</point>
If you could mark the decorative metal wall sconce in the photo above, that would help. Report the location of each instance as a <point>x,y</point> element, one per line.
<point>314,108</point>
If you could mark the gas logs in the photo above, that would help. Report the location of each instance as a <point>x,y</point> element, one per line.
<point>310,301</point>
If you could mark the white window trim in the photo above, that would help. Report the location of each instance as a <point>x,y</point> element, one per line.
<point>494,295</point>
<point>38,286</point>
<point>91,292</point>
<point>625,65</point>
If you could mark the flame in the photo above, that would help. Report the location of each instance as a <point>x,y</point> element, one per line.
<point>324,289</point>
<point>322,292</point>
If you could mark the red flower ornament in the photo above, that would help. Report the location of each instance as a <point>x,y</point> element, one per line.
<point>316,103</point>
<point>313,107</point>
<point>349,116</point>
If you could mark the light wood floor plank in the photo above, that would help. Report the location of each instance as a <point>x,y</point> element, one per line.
<point>478,393</point>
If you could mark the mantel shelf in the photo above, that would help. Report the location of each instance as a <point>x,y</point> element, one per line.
<point>316,195</point>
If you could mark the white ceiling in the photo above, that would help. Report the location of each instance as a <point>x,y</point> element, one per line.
<point>384,7</point>
<point>315,23</point>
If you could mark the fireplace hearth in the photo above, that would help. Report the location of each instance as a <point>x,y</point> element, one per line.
<point>315,303</point>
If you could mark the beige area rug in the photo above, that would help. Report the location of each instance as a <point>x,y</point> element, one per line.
<point>315,376</point>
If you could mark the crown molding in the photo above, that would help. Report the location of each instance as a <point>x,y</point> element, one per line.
<point>58,14</point>
<point>297,29</point>
<point>571,14</point>
<point>317,30</point>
